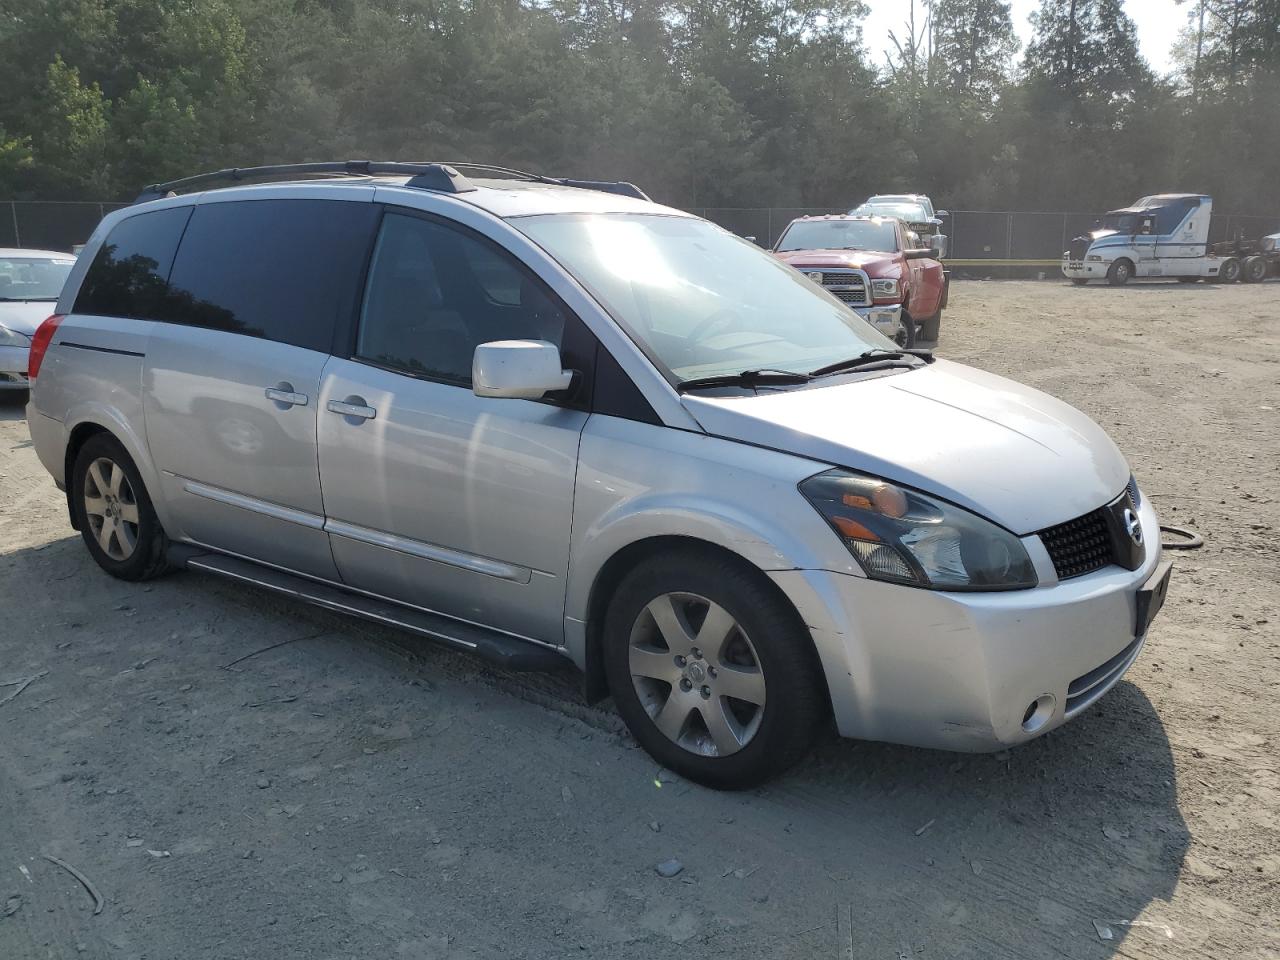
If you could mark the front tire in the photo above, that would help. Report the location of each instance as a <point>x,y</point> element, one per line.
<point>114,513</point>
<point>713,672</point>
<point>1120,272</point>
<point>905,335</point>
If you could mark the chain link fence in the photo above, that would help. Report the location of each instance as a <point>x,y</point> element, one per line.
<point>982,242</point>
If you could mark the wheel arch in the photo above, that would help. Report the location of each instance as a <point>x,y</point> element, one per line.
<point>87,422</point>
<point>626,559</point>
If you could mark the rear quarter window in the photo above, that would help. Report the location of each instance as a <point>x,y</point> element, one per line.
<point>129,274</point>
<point>283,270</point>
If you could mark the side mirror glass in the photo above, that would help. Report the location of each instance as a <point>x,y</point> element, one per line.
<point>518,369</point>
<point>938,244</point>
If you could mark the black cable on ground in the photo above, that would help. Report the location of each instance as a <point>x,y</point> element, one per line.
<point>1193,540</point>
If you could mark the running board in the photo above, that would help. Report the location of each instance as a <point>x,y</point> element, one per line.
<point>498,648</point>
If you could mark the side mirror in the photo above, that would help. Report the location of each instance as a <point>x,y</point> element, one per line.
<point>752,239</point>
<point>921,253</point>
<point>938,244</point>
<point>942,213</point>
<point>519,369</point>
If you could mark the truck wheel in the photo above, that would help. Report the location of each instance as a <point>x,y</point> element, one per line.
<point>1255,270</point>
<point>1229,272</point>
<point>930,328</point>
<point>1120,272</point>
<point>905,335</point>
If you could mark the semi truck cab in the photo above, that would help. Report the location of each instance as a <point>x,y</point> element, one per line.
<point>1166,235</point>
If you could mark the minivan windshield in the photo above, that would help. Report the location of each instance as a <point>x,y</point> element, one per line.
<point>33,278</point>
<point>699,300</point>
<point>840,235</point>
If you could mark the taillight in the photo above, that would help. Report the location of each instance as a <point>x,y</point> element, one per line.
<point>40,344</point>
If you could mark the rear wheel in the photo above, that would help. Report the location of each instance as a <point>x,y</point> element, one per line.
<point>114,512</point>
<point>1229,271</point>
<point>1120,272</point>
<point>713,673</point>
<point>1255,270</point>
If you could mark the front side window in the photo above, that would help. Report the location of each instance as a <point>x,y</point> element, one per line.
<point>33,278</point>
<point>283,270</point>
<point>129,274</point>
<point>435,292</point>
<point>701,301</point>
<point>840,235</point>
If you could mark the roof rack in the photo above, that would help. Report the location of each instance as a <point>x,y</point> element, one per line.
<point>441,177</point>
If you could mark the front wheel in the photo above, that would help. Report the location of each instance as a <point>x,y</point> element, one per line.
<point>905,335</point>
<point>713,672</point>
<point>114,512</point>
<point>1119,273</point>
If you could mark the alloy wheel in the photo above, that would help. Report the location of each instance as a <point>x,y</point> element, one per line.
<point>111,509</point>
<point>697,674</point>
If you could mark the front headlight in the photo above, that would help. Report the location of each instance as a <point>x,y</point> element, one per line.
<point>12,338</point>
<point>905,536</point>
<point>1095,258</point>
<point>885,288</point>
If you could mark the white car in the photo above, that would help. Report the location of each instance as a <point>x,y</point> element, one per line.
<point>535,420</point>
<point>30,281</point>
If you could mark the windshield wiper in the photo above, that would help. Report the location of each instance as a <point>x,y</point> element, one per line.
<point>28,299</point>
<point>861,360</point>
<point>745,378</point>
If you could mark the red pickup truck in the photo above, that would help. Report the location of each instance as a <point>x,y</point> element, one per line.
<point>874,265</point>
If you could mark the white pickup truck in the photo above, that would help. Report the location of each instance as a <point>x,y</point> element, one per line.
<point>1166,235</point>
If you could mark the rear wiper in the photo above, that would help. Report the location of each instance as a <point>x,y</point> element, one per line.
<point>745,378</point>
<point>861,360</point>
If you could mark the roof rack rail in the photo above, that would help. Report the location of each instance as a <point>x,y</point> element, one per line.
<point>442,177</point>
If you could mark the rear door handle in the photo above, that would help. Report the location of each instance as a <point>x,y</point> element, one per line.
<point>352,407</point>
<point>287,397</point>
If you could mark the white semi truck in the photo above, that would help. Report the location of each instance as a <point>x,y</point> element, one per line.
<point>1166,235</point>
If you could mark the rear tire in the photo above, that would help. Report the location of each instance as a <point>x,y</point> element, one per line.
<point>1229,271</point>
<point>687,626</point>
<point>1255,270</point>
<point>114,512</point>
<point>1120,272</point>
<point>930,328</point>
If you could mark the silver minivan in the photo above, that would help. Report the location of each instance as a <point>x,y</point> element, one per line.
<point>540,419</point>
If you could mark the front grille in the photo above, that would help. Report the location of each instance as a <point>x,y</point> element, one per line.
<point>848,286</point>
<point>1078,248</point>
<point>1081,545</point>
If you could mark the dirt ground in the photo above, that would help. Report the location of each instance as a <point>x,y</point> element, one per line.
<point>358,793</point>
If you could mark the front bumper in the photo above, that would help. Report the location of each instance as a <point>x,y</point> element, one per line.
<point>1083,269</point>
<point>13,368</point>
<point>959,671</point>
<point>884,317</point>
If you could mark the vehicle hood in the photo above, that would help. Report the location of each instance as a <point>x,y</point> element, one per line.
<point>1004,450</point>
<point>1100,234</point>
<point>872,261</point>
<point>25,315</point>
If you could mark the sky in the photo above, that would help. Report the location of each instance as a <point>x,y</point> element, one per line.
<point>1158,22</point>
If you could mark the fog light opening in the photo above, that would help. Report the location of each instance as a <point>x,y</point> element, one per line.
<point>1038,712</point>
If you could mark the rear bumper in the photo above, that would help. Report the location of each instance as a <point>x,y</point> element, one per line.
<point>884,318</point>
<point>13,368</point>
<point>959,671</point>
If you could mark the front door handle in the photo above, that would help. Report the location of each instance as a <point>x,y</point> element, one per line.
<point>287,397</point>
<point>353,407</point>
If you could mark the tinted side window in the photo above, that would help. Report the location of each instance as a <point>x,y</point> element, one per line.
<point>129,275</point>
<point>435,292</point>
<point>284,270</point>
